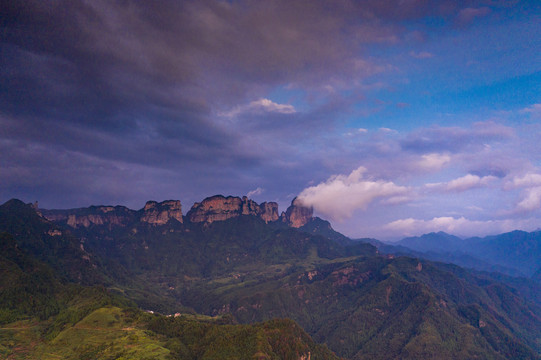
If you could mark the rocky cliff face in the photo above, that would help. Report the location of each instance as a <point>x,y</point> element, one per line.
<point>153,213</point>
<point>215,208</point>
<point>269,211</point>
<point>297,214</point>
<point>160,213</point>
<point>94,215</point>
<point>219,208</point>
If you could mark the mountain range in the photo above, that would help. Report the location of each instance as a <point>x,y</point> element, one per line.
<point>230,268</point>
<point>514,253</point>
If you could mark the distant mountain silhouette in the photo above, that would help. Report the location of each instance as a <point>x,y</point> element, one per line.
<point>514,253</point>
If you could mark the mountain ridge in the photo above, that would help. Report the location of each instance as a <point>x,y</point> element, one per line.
<point>210,209</point>
<point>515,253</point>
<point>343,294</point>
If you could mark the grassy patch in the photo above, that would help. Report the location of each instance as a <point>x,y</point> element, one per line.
<point>104,334</point>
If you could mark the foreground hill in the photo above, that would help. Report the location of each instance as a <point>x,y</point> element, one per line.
<point>111,332</point>
<point>252,268</point>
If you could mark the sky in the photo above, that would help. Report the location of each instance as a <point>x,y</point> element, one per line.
<point>390,118</point>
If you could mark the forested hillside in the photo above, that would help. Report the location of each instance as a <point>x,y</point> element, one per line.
<point>245,270</point>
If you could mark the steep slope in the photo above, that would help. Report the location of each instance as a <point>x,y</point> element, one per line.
<point>49,243</point>
<point>219,208</point>
<point>32,288</point>
<point>361,304</point>
<point>322,227</point>
<point>153,213</point>
<point>170,258</point>
<point>411,309</point>
<point>28,287</point>
<point>297,215</point>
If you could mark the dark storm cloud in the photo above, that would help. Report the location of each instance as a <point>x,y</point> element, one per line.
<point>105,56</point>
<point>107,85</point>
<point>134,81</point>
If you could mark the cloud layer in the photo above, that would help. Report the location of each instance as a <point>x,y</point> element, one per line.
<point>119,102</point>
<point>259,107</point>
<point>341,195</point>
<point>491,192</point>
<point>463,183</point>
<point>458,226</point>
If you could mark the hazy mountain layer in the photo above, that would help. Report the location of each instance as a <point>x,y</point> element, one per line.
<point>514,253</point>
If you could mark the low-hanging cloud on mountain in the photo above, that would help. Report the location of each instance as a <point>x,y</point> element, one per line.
<point>341,195</point>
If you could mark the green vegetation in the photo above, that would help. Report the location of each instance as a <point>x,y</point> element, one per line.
<point>276,339</point>
<point>126,333</point>
<point>104,334</point>
<point>411,309</point>
<point>43,315</point>
<point>243,274</point>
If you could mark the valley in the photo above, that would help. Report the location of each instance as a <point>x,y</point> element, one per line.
<point>231,267</point>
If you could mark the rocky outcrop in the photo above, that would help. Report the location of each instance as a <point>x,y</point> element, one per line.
<point>94,215</point>
<point>153,213</point>
<point>161,213</point>
<point>219,208</point>
<point>214,208</point>
<point>269,211</point>
<point>297,214</point>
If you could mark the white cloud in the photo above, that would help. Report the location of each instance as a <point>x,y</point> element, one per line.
<point>463,183</point>
<point>531,194</point>
<point>457,226</point>
<point>433,161</point>
<point>357,132</point>
<point>395,200</point>
<point>531,200</point>
<point>259,107</point>
<point>528,180</point>
<point>257,191</point>
<point>341,195</point>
